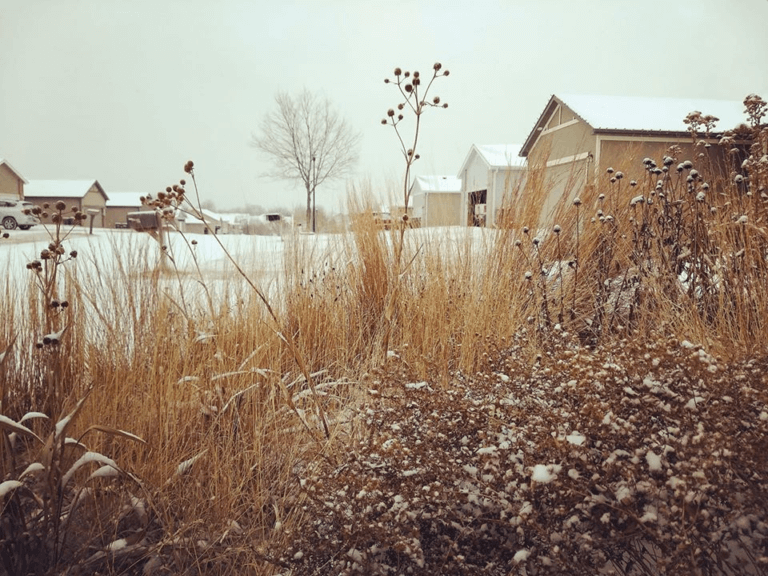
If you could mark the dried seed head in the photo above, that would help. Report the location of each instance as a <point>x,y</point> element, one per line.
<point>528,275</point>
<point>436,67</point>
<point>610,170</point>
<point>398,71</point>
<point>415,74</point>
<point>384,121</point>
<point>577,201</point>
<point>408,88</point>
<point>400,106</point>
<point>194,242</point>
<point>633,183</point>
<point>556,229</point>
<point>446,73</point>
<point>601,197</point>
<point>46,205</point>
<point>445,105</point>
<point>73,254</point>
<point>436,99</point>
<point>64,304</point>
<point>525,229</point>
<point>56,218</point>
<point>687,164</point>
<point>390,112</point>
<point>399,116</point>
<point>386,80</point>
<point>60,206</point>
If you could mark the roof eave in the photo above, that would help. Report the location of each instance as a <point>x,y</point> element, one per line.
<point>18,174</point>
<point>534,133</point>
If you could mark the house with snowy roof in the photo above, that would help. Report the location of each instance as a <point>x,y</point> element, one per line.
<point>11,182</point>
<point>491,175</point>
<point>87,196</point>
<point>119,205</point>
<point>436,200</point>
<point>578,137</point>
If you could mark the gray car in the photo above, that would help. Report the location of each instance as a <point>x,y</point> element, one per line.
<point>12,215</point>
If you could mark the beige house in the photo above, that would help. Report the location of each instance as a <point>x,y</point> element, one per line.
<point>578,137</point>
<point>119,205</point>
<point>490,176</point>
<point>86,195</point>
<point>11,182</point>
<point>437,200</point>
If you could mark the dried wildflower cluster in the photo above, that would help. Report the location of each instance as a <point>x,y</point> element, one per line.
<point>58,214</point>
<point>632,459</point>
<point>415,97</point>
<point>168,202</point>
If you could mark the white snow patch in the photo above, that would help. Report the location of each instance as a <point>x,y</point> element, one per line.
<point>521,556</point>
<point>577,438</point>
<point>654,461</point>
<point>544,474</point>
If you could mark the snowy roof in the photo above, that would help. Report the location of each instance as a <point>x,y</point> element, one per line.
<point>60,188</point>
<point>4,161</point>
<point>438,183</point>
<point>125,199</point>
<point>632,113</point>
<point>502,155</point>
<point>496,156</point>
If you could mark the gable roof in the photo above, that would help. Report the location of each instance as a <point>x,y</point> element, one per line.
<point>438,183</point>
<point>634,114</point>
<point>61,188</point>
<point>5,162</point>
<point>496,156</point>
<point>125,199</point>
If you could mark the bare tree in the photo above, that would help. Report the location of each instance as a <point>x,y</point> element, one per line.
<point>308,141</point>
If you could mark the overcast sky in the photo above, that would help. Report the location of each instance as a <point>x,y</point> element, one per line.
<point>126,91</point>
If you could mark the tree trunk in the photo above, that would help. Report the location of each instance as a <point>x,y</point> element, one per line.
<point>309,208</point>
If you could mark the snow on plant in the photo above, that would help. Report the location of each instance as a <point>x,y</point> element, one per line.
<point>573,465</point>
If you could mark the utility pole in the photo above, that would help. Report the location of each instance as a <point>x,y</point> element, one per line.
<point>314,185</point>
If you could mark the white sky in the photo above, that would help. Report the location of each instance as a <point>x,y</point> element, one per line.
<point>127,91</point>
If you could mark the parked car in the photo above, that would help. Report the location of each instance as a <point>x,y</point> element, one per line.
<point>382,220</point>
<point>12,215</point>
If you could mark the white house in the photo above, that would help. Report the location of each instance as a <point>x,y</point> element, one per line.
<point>489,175</point>
<point>437,200</point>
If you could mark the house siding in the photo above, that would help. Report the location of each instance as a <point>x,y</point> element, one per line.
<point>440,209</point>
<point>10,184</point>
<point>94,200</point>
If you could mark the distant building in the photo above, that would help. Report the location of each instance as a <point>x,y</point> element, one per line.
<point>577,137</point>
<point>84,195</point>
<point>436,200</point>
<point>11,182</point>
<point>119,205</point>
<point>490,175</point>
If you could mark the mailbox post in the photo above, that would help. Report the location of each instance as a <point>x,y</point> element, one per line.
<point>152,223</point>
<point>92,212</point>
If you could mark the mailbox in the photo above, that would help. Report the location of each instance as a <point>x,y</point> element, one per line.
<point>143,221</point>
